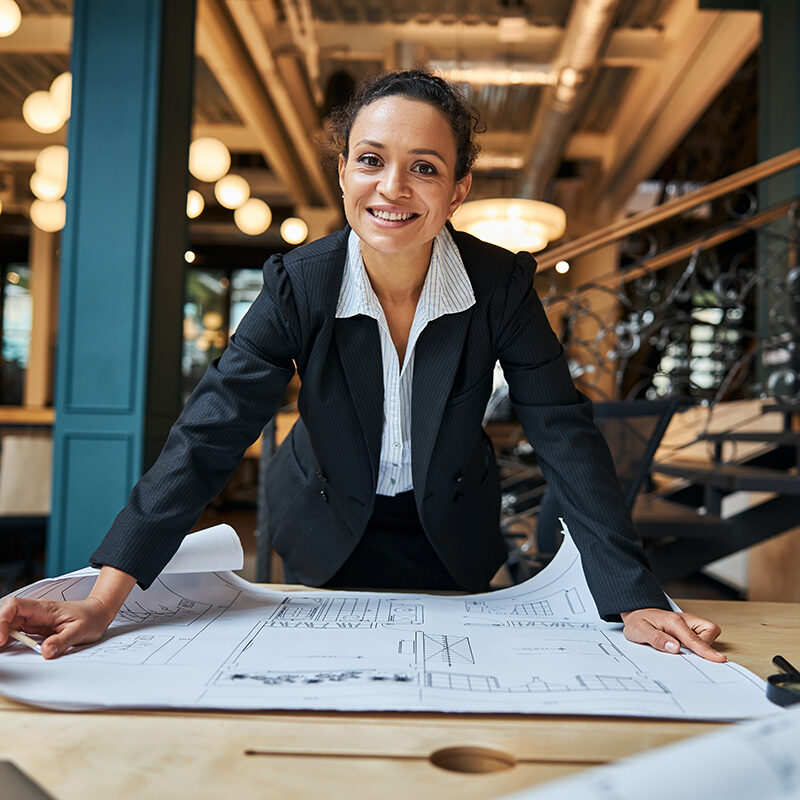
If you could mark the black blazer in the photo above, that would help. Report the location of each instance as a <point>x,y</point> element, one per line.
<point>321,483</point>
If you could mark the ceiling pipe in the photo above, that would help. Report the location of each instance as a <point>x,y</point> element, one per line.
<point>286,102</point>
<point>578,59</point>
<point>220,45</point>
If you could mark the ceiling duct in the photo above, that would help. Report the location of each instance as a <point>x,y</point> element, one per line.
<point>578,58</point>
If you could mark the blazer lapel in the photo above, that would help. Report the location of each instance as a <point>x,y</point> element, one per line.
<point>358,343</point>
<point>437,355</point>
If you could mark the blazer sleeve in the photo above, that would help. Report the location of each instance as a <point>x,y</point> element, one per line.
<point>573,455</point>
<point>237,396</point>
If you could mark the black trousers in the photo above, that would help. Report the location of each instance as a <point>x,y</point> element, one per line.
<point>394,552</point>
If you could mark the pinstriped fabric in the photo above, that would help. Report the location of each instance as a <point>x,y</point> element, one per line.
<point>447,290</point>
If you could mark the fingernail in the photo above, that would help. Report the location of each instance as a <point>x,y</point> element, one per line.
<point>672,647</point>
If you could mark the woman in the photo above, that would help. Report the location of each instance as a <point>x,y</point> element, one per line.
<point>394,325</point>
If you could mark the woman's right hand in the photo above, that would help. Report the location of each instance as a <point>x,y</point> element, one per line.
<point>71,622</point>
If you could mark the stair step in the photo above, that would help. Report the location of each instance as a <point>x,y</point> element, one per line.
<point>772,437</point>
<point>655,517</point>
<point>733,477</point>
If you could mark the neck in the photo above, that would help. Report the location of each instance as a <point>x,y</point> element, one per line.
<point>399,277</point>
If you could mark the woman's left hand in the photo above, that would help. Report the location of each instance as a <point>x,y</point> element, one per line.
<point>668,630</point>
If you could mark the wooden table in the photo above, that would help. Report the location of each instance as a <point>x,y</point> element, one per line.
<point>283,755</point>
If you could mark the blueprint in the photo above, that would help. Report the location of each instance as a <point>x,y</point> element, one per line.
<point>209,639</point>
<point>757,759</point>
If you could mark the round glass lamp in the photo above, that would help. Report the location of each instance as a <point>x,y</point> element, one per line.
<point>253,218</point>
<point>61,92</point>
<point>10,17</point>
<point>209,159</point>
<point>232,191</point>
<point>42,113</point>
<point>53,162</point>
<point>294,230</point>
<point>46,188</point>
<point>513,223</point>
<point>194,203</point>
<point>49,216</point>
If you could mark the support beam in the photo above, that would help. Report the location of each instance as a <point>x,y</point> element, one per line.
<point>220,45</point>
<point>370,41</point>
<point>301,136</point>
<point>664,103</point>
<point>43,262</point>
<point>40,33</point>
<point>121,298</point>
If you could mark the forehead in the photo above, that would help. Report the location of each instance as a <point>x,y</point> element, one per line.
<point>402,121</point>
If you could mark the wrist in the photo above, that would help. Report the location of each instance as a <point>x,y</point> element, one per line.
<point>109,592</point>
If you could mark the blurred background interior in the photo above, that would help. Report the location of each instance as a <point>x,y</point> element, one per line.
<point>153,155</point>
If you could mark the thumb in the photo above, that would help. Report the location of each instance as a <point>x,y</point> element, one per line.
<point>56,644</point>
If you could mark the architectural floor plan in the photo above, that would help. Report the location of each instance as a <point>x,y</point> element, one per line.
<point>208,639</point>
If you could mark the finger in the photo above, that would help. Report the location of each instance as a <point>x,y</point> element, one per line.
<point>696,644</point>
<point>643,632</point>
<point>8,616</point>
<point>708,631</point>
<point>53,646</point>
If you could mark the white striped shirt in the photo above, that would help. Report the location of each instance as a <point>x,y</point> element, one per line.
<point>446,290</point>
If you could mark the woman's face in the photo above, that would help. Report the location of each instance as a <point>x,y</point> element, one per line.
<point>399,177</point>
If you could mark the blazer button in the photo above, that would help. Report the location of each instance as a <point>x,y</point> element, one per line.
<point>460,477</point>
<point>324,495</point>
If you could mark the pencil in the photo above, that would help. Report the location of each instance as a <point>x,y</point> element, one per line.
<point>25,639</point>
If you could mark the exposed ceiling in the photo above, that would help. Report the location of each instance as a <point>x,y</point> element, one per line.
<point>616,86</point>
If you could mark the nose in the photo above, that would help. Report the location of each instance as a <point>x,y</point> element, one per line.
<point>393,182</point>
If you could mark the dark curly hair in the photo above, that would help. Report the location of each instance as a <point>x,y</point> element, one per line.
<point>414,84</point>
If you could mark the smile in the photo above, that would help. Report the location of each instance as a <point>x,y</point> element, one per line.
<point>392,216</point>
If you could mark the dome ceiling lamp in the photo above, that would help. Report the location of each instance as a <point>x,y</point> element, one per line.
<point>10,18</point>
<point>512,222</point>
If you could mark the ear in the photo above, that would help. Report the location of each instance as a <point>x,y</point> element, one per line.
<point>340,168</point>
<point>460,192</point>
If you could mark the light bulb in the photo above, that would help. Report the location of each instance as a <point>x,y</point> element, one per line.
<point>232,191</point>
<point>61,92</point>
<point>253,217</point>
<point>53,162</point>
<point>42,113</point>
<point>45,187</point>
<point>194,204</point>
<point>209,159</point>
<point>49,217</point>
<point>294,230</point>
<point>10,17</point>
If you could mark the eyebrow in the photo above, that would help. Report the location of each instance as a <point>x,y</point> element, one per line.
<point>420,151</point>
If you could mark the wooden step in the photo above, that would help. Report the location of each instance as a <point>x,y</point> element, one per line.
<point>732,477</point>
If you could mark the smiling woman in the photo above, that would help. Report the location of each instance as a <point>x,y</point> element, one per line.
<point>394,325</point>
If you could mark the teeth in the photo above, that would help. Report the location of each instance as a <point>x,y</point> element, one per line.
<point>391,215</point>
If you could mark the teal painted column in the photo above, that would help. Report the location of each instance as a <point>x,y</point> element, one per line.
<point>119,345</point>
<point>778,131</point>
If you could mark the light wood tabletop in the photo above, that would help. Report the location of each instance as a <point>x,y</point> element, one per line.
<point>198,755</point>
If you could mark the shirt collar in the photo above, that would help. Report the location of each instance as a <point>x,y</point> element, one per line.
<point>447,289</point>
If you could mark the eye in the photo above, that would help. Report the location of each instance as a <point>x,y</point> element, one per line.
<point>425,169</point>
<point>369,160</point>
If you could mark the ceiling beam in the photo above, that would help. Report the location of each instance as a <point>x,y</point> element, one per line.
<point>664,102</point>
<point>370,41</point>
<point>286,103</point>
<point>15,134</point>
<point>218,42</point>
<point>39,33</point>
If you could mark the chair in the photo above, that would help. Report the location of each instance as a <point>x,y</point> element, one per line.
<point>26,463</point>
